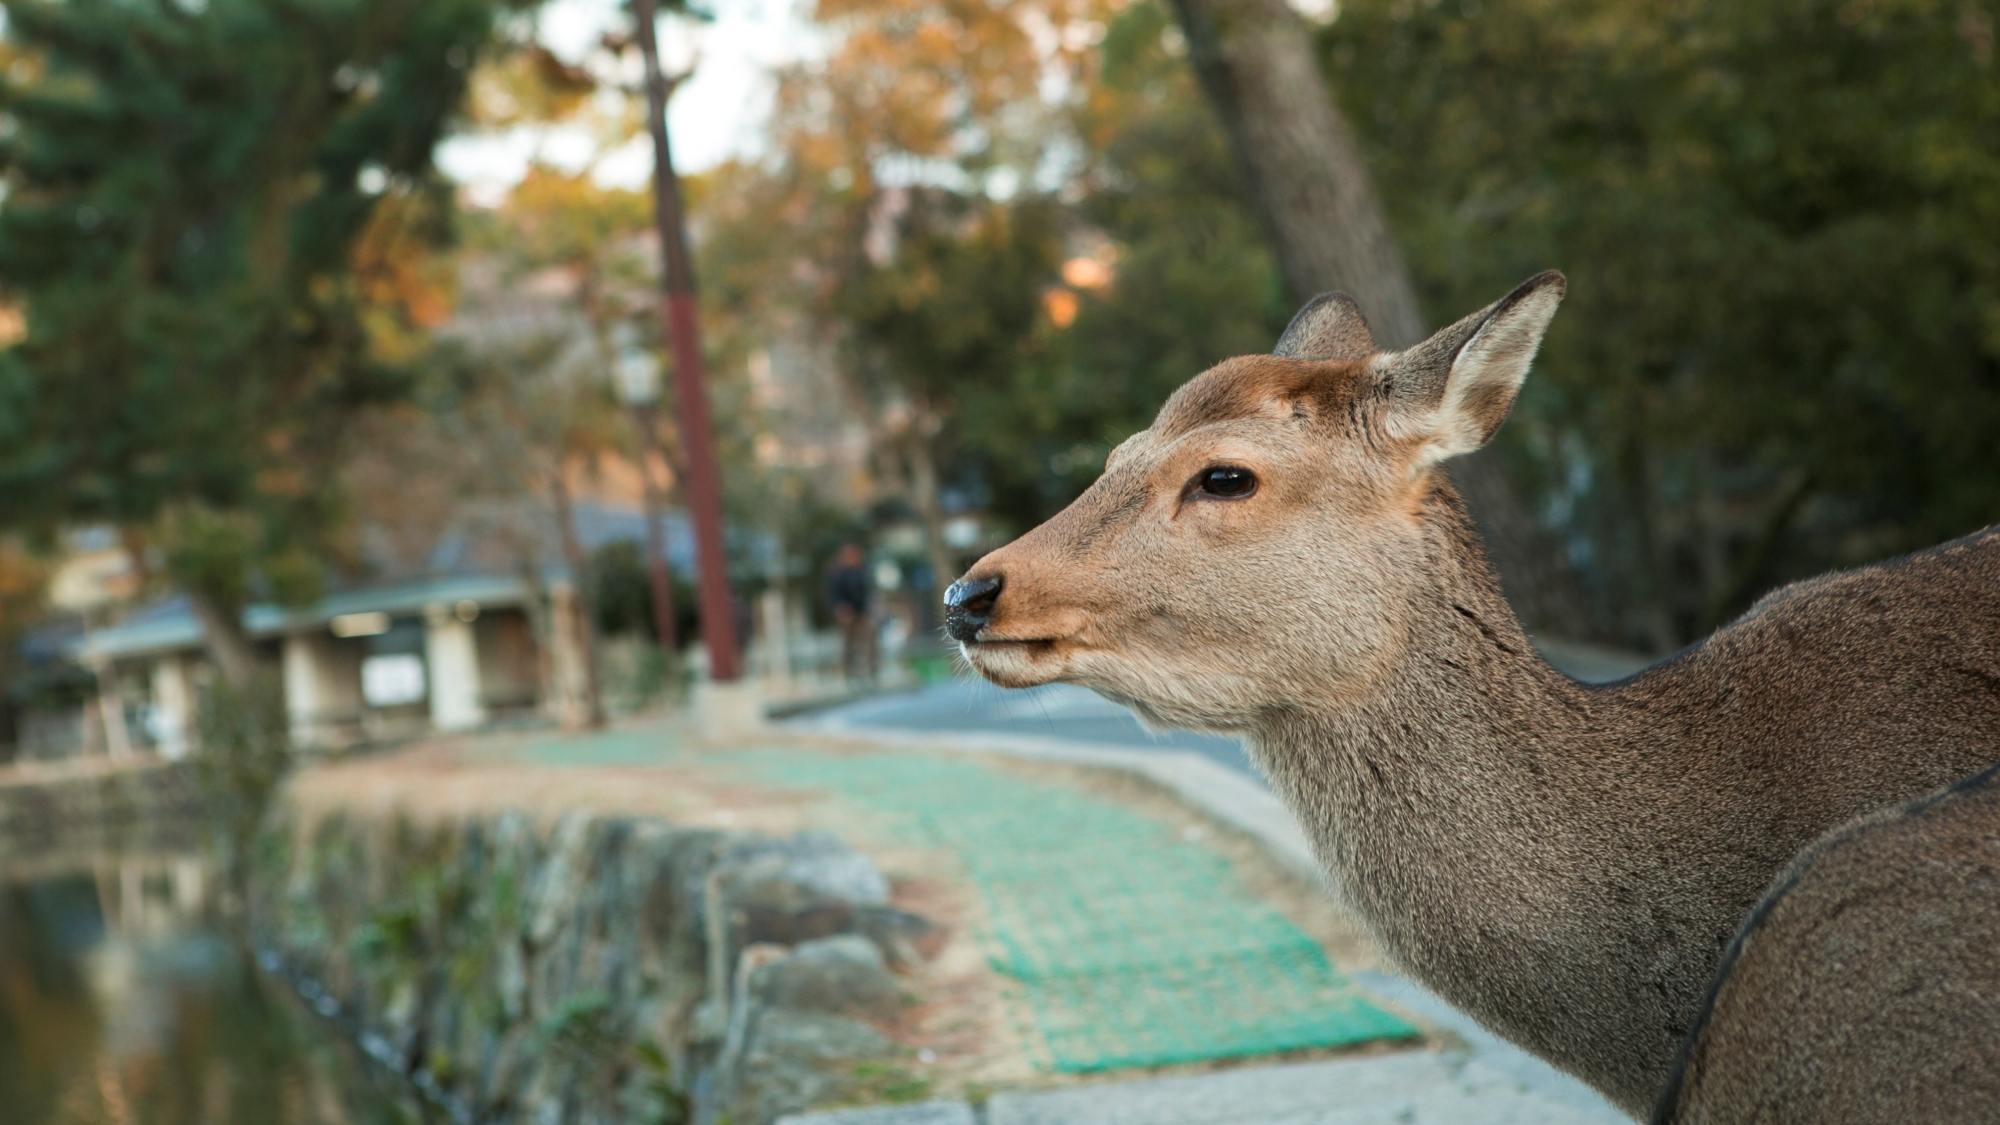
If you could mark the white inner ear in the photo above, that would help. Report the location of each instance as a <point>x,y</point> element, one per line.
<point>1486,375</point>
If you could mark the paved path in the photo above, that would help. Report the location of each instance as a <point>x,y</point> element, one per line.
<point>1460,1086</point>
<point>1059,711</point>
<point>1482,1081</point>
<point>1415,1088</point>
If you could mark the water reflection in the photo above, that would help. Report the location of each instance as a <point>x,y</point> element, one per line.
<point>121,1003</point>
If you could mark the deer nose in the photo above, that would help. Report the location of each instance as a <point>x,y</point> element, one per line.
<point>968,606</point>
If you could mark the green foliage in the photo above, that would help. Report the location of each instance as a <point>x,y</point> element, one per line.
<point>221,552</point>
<point>1035,379</point>
<point>949,310</point>
<point>1194,282</point>
<point>940,328</point>
<point>663,1102</point>
<point>427,920</point>
<point>624,594</point>
<point>390,939</point>
<point>582,1026</point>
<point>186,185</point>
<point>636,671</point>
<point>1781,221</point>
<point>929,200</point>
<point>887,1082</point>
<point>935,668</point>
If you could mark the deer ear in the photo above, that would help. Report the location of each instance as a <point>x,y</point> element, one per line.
<point>1455,388</point>
<point>1330,327</point>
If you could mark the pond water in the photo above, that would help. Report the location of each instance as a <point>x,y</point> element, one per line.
<point>123,1003</point>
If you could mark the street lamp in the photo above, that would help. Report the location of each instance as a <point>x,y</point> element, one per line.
<point>637,371</point>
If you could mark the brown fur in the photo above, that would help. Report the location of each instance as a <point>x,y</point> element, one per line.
<point>1865,987</point>
<point>1565,862</point>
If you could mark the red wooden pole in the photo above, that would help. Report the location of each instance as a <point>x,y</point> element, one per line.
<point>677,308</point>
<point>657,574</point>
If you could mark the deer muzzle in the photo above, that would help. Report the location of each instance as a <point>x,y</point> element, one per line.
<point>968,606</point>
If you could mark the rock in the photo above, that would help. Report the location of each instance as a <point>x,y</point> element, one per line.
<point>823,864</point>
<point>795,1059</point>
<point>813,867</point>
<point>564,880</point>
<point>842,975</point>
<point>798,890</point>
<point>556,973</point>
<point>905,939</point>
<point>922,1113</point>
<point>791,925</point>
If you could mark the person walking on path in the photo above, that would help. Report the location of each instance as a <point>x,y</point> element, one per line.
<point>852,595</point>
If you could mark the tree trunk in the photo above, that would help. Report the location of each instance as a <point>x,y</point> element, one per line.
<point>235,655</point>
<point>586,623</point>
<point>658,574</point>
<point>925,499</point>
<point>541,622</point>
<point>1311,191</point>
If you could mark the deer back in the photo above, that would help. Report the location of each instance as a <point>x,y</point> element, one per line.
<point>1865,986</point>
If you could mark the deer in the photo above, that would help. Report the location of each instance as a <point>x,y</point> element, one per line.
<point>1281,556</point>
<point>1864,987</point>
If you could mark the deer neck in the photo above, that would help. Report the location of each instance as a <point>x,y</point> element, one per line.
<point>1496,825</point>
<point>1465,730</point>
<point>1470,732</point>
<point>1465,762</point>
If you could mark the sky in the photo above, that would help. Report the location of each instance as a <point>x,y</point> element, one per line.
<point>715,115</point>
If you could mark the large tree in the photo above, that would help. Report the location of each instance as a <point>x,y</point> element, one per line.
<point>1311,187</point>
<point>1169,276</point>
<point>186,184</point>
<point>1782,224</point>
<point>1304,169</point>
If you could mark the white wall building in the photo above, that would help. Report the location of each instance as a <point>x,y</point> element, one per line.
<point>366,665</point>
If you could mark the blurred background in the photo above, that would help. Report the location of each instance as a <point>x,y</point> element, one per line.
<point>323,311</point>
<point>338,406</point>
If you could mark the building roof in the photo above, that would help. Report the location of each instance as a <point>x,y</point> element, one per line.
<point>170,626</point>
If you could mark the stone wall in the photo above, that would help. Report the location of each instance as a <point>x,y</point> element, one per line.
<point>96,805</point>
<point>596,970</point>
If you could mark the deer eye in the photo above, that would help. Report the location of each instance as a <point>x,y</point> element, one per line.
<point>1225,482</point>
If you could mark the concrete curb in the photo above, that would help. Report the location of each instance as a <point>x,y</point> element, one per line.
<point>1414,1087</point>
<point>921,1113</point>
<point>1410,1088</point>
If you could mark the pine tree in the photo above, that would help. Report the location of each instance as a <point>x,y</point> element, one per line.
<point>185,186</point>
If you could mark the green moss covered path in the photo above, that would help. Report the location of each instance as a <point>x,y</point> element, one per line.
<point>1126,945</point>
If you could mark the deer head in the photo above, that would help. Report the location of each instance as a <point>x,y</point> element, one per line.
<point>1263,547</point>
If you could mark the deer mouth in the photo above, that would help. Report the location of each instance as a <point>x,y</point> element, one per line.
<point>985,638</point>
<point>1015,662</point>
